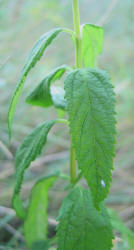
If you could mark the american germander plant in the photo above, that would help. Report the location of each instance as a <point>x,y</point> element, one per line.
<point>89,101</point>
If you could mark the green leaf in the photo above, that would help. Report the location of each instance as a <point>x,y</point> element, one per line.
<point>18,205</point>
<point>118,225</point>
<point>35,226</point>
<point>81,226</point>
<point>41,245</point>
<point>92,42</point>
<point>91,108</point>
<point>28,151</point>
<point>45,96</point>
<point>34,56</point>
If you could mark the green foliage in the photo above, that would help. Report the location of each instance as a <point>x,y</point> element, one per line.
<point>28,151</point>
<point>126,233</point>
<point>42,94</point>
<point>92,42</point>
<point>81,226</point>
<point>41,245</point>
<point>90,104</point>
<point>18,205</point>
<point>35,226</point>
<point>34,56</point>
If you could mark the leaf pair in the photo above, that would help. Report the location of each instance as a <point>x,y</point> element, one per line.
<point>42,95</point>
<point>35,55</point>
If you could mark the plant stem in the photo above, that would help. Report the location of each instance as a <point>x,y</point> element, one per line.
<point>62,121</point>
<point>78,58</point>
<point>72,165</point>
<point>78,42</point>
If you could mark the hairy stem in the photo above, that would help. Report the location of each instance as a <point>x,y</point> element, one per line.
<point>62,121</point>
<point>78,58</point>
<point>78,41</point>
<point>73,173</point>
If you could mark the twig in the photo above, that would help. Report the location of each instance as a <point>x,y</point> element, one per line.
<point>6,173</point>
<point>108,12</point>
<point>12,231</point>
<point>5,210</point>
<point>127,214</point>
<point>9,211</point>
<point>6,151</point>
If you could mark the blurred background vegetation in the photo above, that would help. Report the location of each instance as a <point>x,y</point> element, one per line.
<point>21,23</point>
